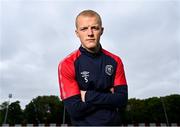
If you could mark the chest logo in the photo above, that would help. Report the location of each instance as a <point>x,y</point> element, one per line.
<point>109,70</point>
<point>85,75</point>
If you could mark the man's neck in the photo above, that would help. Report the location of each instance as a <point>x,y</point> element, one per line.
<point>93,50</point>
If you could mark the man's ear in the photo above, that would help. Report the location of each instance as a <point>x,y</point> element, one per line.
<point>77,34</point>
<point>102,30</point>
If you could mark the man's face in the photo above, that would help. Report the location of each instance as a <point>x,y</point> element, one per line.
<point>89,31</point>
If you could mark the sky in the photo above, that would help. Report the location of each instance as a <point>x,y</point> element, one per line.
<point>35,35</point>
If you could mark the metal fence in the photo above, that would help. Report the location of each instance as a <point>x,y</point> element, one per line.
<point>124,125</point>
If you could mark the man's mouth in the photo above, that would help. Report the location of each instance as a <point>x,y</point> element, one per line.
<point>90,39</point>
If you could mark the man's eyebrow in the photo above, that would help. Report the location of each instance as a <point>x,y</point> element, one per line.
<point>83,27</point>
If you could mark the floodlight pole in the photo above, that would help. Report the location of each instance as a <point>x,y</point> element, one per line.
<point>164,108</point>
<point>64,115</point>
<point>10,96</point>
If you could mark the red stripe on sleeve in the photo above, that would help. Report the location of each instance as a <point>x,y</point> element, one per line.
<point>66,74</point>
<point>120,78</point>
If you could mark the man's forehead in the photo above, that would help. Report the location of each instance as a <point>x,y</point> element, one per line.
<point>85,21</point>
<point>85,18</point>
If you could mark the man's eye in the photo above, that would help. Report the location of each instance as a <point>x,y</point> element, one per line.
<point>96,28</point>
<point>83,29</point>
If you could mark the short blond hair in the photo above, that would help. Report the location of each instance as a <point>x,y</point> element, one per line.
<point>88,13</point>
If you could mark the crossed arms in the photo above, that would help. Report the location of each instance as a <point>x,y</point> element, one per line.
<point>79,103</point>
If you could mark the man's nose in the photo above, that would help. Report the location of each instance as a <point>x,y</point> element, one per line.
<point>90,32</point>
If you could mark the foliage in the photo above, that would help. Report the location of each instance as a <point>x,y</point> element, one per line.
<point>15,114</point>
<point>2,111</point>
<point>152,110</point>
<point>49,109</point>
<point>44,109</point>
<point>172,103</point>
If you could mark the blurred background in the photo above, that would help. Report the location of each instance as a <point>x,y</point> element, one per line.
<point>37,34</point>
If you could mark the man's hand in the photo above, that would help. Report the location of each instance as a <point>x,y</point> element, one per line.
<point>112,90</point>
<point>83,95</point>
<point>84,92</point>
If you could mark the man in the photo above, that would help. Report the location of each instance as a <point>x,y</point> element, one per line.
<point>92,80</point>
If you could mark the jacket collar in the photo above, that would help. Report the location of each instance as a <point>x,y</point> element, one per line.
<point>85,52</point>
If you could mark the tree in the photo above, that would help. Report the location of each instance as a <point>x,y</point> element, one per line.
<point>172,106</point>
<point>3,107</point>
<point>44,109</point>
<point>49,109</point>
<point>135,111</point>
<point>153,110</point>
<point>15,115</point>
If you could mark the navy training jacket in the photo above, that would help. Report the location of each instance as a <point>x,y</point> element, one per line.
<point>95,73</point>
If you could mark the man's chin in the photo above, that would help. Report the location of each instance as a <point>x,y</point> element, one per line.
<point>94,48</point>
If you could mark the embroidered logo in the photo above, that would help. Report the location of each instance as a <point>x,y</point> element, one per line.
<point>109,70</point>
<point>85,75</point>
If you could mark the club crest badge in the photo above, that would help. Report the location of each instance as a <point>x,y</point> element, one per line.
<point>109,70</point>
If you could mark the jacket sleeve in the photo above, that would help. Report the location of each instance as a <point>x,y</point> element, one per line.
<point>76,108</point>
<point>117,99</point>
<point>70,92</point>
<point>120,96</point>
